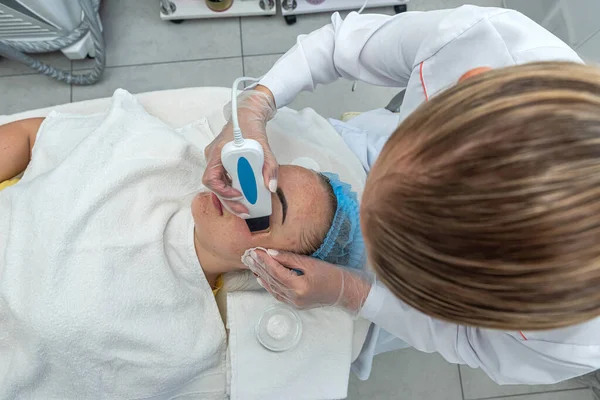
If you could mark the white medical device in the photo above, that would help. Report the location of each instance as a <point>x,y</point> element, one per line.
<point>179,10</point>
<point>41,26</point>
<point>291,8</point>
<point>244,159</point>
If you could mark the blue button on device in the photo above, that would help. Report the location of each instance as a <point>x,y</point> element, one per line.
<point>247,181</point>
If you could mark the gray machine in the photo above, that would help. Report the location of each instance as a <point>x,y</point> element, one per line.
<point>40,26</point>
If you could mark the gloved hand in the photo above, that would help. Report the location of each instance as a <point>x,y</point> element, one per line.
<point>255,109</point>
<point>322,284</point>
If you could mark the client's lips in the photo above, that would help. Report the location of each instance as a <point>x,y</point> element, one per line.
<point>217,203</point>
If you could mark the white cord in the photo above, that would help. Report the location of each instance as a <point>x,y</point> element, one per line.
<point>363,7</point>
<point>238,139</point>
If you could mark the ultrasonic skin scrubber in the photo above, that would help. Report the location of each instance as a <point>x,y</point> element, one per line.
<point>244,159</point>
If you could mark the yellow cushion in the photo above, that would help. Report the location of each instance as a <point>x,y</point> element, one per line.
<point>347,116</point>
<point>10,182</point>
<point>218,285</point>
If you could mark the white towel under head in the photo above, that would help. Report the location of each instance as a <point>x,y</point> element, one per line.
<point>316,368</point>
<point>307,163</point>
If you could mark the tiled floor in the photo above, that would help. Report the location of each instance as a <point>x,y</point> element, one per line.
<point>411,375</point>
<point>146,54</point>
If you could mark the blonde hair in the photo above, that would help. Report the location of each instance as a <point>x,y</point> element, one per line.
<point>483,208</point>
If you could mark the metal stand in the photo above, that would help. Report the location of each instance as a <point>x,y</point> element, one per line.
<point>401,8</point>
<point>291,8</point>
<point>179,10</point>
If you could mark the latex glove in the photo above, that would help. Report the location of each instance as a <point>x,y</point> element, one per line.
<point>255,109</point>
<point>322,284</point>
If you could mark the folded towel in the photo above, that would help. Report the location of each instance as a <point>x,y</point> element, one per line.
<point>317,368</point>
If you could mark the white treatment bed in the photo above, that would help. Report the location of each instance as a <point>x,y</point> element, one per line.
<point>319,366</point>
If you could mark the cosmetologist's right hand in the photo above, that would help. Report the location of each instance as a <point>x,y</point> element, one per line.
<point>321,284</point>
<point>255,108</point>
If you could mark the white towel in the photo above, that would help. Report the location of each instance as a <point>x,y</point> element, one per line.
<point>317,368</point>
<point>101,292</point>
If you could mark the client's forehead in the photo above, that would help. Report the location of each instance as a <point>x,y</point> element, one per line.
<point>308,208</point>
<point>303,189</point>
<point>292,175</point>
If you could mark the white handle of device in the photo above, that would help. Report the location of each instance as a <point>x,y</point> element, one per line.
<point>244,163</point>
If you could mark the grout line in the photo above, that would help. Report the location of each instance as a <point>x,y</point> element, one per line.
<point>587,39</point>
<point>193,60</point>
<point>462,389</point>
<point>155,63</point>
<point>266,54</point>
<point>241,38</point>
<point>242,49</point>
<point>170,62</point>
<point>71,85</point>
<point>524,395</point>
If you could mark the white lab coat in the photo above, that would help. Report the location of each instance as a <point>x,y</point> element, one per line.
<point>427,52</point>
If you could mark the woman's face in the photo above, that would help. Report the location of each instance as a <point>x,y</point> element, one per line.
<point>302,212</point>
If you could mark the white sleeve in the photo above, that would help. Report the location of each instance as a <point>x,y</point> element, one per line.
<point>507,357</point>
<point>377,49</point>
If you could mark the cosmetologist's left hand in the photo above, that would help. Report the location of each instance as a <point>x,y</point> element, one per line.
<point>254,109</point>
<point>322,284</point>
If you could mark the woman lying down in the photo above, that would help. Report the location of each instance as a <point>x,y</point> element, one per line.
<point>109,253</point>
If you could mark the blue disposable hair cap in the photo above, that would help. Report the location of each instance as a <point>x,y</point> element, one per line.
<point>343,244</point>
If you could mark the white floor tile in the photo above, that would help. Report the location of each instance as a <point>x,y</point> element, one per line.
<point>146,78</point>
<point>135,34</point>
<point>330,100</point>
<point>480,3</point>
<point>582,394</point>
<point>28,92</point>
<point>477,385</point>
<point>425,5</point>
<point>56,59</point>
<point>271,35</point>
<point>408,374</point>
